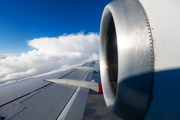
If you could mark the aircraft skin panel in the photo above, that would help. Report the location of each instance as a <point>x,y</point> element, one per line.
<point>46,100</point>
<point>89,76</point>
<point>78,74</point>
<point>47,103</point>
<point>164,19</point>
<point>165,23</point>
<point>77,110</point>
<point>18,89</point>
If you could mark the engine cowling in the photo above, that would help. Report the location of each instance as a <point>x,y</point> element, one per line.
<point>135,86</point>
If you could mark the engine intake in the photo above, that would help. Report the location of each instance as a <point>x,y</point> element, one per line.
<point>112,56</point>
<point>126,59</point>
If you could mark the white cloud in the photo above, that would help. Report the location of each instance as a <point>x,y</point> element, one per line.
<point>3,56</point>
<point>50,54</point>
<point>79,43</point>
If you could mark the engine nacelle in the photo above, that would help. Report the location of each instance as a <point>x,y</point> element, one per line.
<point>140,77</point>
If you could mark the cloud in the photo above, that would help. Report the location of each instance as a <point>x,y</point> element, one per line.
<point>3,56</point>
<point>50,54</point>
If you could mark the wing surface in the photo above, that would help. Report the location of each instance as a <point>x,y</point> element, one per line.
<point>35,99</point>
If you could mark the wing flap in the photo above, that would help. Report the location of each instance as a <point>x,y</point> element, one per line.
<point>77,109</point>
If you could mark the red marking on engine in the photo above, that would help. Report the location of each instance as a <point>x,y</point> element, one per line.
<point>100,89</point>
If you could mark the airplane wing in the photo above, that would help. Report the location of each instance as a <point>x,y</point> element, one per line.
<point>36,98</point>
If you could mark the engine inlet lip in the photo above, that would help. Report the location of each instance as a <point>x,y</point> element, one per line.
<point>110,91</point>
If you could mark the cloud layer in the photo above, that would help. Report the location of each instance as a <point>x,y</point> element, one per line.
<point>50,54</point>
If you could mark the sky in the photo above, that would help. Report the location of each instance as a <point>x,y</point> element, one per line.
<point>38,36</point>
<point>24,20</point>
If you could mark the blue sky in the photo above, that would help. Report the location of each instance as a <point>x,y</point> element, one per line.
<point>23,20</point>
<point>37,36</point>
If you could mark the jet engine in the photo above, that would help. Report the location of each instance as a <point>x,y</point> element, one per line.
<point>140,59</point>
